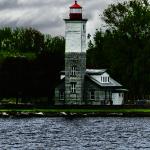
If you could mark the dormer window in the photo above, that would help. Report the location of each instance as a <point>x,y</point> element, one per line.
<point>105,79</point>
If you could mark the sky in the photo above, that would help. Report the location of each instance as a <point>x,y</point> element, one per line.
<point>47,15</point>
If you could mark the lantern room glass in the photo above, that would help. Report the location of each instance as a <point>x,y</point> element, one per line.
<point>76,10</point>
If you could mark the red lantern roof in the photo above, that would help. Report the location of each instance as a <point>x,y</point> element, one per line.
<point>76,6</point>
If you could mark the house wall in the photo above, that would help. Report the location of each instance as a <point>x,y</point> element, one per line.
<point>117,98</point>
<point>102,95</point>
<point>60,87</point>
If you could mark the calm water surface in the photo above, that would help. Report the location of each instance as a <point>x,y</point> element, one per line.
<point>76,134</point>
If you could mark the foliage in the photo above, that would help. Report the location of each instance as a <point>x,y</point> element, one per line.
<point>29,63</point>
<point>124,47</point>
<point>21,40</point>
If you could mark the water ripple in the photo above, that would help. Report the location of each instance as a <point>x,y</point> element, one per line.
<point>76,134</point>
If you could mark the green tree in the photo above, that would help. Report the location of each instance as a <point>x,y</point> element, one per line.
<point>21,40</point>
<point>124,47</point>
<point>21,77</point>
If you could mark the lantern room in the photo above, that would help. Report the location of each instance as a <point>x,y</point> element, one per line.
<point>76,12</point>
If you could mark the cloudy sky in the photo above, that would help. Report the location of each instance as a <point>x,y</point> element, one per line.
<point>47,15</point>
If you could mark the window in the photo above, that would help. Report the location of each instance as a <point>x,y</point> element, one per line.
<point>83,27</point>
<point>61,95</point>
<point>79,10</point>
<point>73,87</point>
<point>73,71</point>
<point>105,79</point>
<point>121,95</point>
<point>92,95</point>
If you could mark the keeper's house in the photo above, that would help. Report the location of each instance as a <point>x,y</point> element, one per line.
<point>78,85</point>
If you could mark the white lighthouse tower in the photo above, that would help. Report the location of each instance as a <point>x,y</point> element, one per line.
<point>75,56</point>
<point>75,30</point>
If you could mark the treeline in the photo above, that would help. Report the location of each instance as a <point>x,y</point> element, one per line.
<point>29,64</point>
<point>30,61</point>
<point>124,46</point>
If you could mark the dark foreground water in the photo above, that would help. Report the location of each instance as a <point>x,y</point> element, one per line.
<point>76,134</point>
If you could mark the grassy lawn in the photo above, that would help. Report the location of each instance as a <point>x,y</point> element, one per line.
<point>78,110</point>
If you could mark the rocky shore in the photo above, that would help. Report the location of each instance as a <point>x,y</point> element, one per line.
<point>70,115</point>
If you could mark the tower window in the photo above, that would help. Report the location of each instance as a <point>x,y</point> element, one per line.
<point>83,27</point>
<point>73,71</point>
<point>61,95</point>
<point>92,95</point>
<point>73,87</point>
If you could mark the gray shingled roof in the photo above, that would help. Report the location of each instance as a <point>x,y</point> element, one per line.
<point>97,80</point>
<point>95,76</point>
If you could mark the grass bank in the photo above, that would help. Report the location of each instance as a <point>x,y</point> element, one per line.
<point>101,110</point>
<point>67,112</point>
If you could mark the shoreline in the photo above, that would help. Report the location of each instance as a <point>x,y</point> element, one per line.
<point>24,111</point>
<point>69,115</point>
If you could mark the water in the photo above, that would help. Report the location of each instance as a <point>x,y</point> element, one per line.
<point>76,134</point>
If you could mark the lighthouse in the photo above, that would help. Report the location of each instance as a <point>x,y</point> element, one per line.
<point>78,85</point>
<point>75,55</point>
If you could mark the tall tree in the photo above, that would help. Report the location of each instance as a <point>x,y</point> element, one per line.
<point>125,46</point>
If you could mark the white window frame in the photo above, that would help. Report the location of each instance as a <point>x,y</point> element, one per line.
<point>73,87</point>
<point>105,79</point>
<point>73,70</point>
